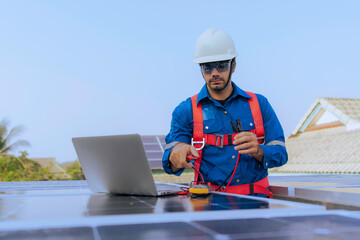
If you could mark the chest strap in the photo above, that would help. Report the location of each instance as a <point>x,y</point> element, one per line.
<point>220,141</point>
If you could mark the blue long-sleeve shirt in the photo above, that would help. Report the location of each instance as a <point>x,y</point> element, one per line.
<point>217,163</point>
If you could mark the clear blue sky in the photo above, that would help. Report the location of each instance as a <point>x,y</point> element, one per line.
<point>86,68</point>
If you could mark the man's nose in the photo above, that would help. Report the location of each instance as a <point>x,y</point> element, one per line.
<point>215,72</point>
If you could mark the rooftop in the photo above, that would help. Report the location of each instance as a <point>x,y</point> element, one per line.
<point>327,139</point>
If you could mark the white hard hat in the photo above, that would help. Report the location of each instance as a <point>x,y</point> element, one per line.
<point>214,45</point>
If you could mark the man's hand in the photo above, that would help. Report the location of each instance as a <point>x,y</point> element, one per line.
<point>246,143</point>
<point>178,156</point>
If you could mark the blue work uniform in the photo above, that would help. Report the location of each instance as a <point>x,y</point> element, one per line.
<point>217,163</point>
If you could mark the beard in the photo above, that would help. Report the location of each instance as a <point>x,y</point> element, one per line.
<point>220,84</point>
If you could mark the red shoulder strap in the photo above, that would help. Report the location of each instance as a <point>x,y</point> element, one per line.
<point>257,117</point>
<point>198,132</point>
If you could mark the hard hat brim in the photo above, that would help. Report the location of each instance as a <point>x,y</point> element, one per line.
<point>215,58</point>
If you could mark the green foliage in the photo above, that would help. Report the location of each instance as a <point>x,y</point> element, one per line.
<point>6,137</point>
<point>21,168</point>
<point>75,171</point>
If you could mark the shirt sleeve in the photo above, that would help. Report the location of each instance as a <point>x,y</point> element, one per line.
<point>180,131</point>
<point>275,154</point>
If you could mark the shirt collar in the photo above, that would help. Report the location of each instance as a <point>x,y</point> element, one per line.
<point>237,92</point>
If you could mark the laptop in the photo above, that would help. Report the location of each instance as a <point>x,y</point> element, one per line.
<point>118,165</point>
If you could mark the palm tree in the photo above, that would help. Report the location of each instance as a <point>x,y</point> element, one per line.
<point>6,137</point>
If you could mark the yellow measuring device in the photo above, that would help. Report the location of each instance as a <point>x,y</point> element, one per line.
<point>200,189</point>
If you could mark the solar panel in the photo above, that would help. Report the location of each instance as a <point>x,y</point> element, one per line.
<point>68,210</point>
<point>335,191</point>
<point>298,227</point>
<point>155,164</point>
<point>256,228</point>
<point>154,148</point>
<point>53,234</point>
<point>174,230</point>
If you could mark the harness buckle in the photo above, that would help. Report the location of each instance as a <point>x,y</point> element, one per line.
<point>221,140</point>
<point>198,142</point>
<point>251,188</point>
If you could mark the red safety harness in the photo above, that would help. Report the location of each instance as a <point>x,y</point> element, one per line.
<point>200,140</point>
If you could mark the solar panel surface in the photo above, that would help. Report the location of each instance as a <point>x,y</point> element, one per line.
<point>333,190</point>
<point>154,149</point>
<point>68,210</point>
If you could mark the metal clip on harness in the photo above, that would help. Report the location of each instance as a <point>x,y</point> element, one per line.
<point>198,142</point>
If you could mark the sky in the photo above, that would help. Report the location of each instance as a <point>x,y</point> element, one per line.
<point>92,68</point>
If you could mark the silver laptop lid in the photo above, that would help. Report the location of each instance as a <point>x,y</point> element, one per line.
<point>115,164</point>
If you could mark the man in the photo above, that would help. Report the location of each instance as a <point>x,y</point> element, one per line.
<point>222,127</point>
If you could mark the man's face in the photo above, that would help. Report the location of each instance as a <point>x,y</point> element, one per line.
<point>216,78</point>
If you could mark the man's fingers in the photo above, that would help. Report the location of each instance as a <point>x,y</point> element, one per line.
<point>187,165</point>
<point>244,139</point>
<point>183,161</point>
<point>246,143</point>
<point>245,146</point>
<point>183,165</point>
<point>247,151</point>
<point>251,151</point>
<point>179,154</point>
<point>242,134</point>
<point>194,152</point>
<point>237,136</point>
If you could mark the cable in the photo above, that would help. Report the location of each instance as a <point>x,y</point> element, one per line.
<point>237,129</point>
<point>189,160</point>
<point>192,165</point>
<point>232,173</point>
<point>237,163</point>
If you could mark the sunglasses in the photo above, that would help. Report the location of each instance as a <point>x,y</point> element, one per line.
<point>220,66</point>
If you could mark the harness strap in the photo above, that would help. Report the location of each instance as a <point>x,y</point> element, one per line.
<point>219,140</point>
<point>198,133</point>
<point>257,117</point>
<point>246,189</point>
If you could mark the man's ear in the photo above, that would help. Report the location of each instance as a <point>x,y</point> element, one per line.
<point>233,66</point>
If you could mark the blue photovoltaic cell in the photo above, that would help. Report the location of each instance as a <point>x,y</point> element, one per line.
<point>173,230</point>
<point>149,139</point>
<point>328,221</point>
<point>154,155</point>
<point>80,233</point>
<point>152,147</point>
<point>236,226</point>
<point>155,164</point>
<point>297,227</point>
